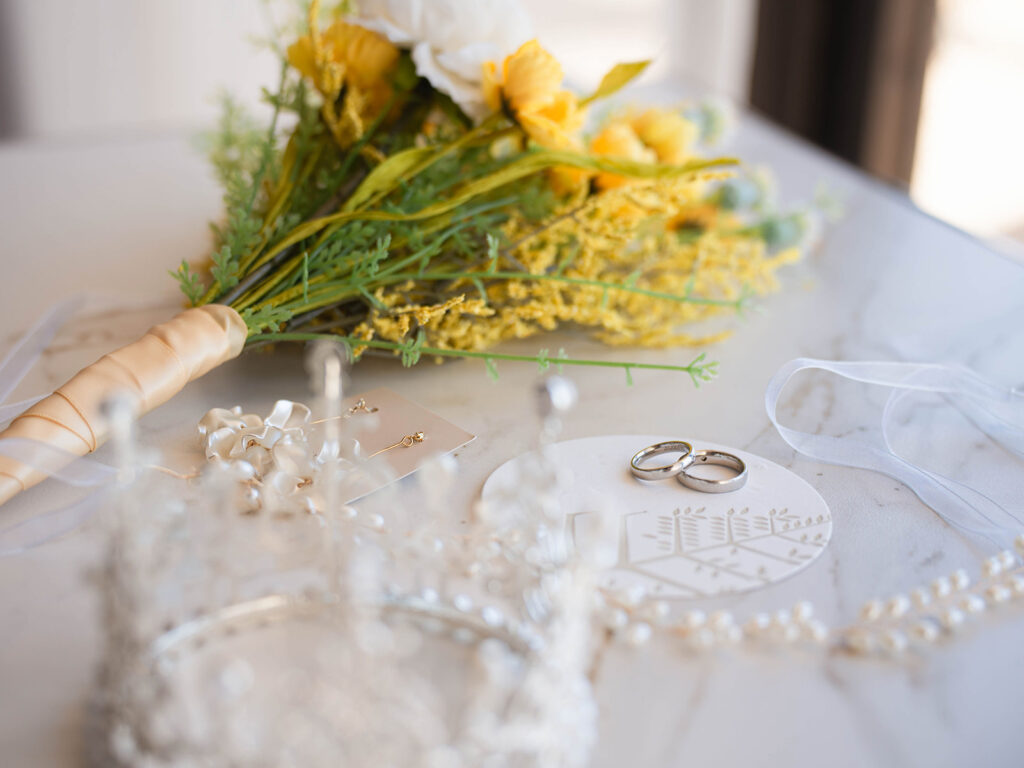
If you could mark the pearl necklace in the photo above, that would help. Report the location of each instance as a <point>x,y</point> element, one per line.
<point>889,628</point>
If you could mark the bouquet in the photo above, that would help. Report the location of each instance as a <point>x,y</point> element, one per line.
<point>428,186</point>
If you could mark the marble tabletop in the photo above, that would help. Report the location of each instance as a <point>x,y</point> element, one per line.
<point>887,282</point>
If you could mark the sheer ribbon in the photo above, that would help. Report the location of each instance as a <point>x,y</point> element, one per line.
<point>996,411</point>
<point>60,465</point>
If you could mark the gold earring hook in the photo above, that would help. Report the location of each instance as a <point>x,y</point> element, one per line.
<point>360,407</point>
<point>406,442</point>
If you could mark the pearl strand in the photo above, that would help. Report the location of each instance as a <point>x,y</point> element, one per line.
<point>886,627</point>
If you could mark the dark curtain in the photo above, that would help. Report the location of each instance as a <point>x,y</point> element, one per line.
<point>846,74</point>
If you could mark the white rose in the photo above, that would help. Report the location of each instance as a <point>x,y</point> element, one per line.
<point>450,40</point>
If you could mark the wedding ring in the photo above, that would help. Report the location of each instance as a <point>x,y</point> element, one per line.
<point>668,470</point>
<point>722,459</point>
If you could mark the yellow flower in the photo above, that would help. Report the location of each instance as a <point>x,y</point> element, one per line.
<point>655,136</point>
<point>555,124</point>
<point>347,54</point>
<point>668,133</point>
<point>531,77</point>
<point>619,140</point>
<point>529,87</point>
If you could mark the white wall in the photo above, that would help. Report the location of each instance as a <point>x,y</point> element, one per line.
<point>87,67</point>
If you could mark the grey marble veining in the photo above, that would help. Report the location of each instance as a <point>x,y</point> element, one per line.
<point>886,283</point>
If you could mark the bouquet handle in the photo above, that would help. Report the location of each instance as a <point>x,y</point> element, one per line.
<point>151,370</point>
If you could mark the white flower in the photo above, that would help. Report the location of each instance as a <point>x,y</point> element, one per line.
<point>451,40</point>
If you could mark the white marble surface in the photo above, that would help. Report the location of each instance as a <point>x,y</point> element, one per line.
<point>888,282</point>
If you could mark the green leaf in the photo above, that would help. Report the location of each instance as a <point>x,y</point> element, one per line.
<point>411,350</point>
<point>616,78</point>
<point>305,275</point>
<point>562,355</point>
<point>480,288</point>
<point>492,369</point>
<point>492,253</point>
<point>543,360</point>
<point>225,268</point>
<point>385,177</point>
<point>189,283</point>
<point>258,320</point>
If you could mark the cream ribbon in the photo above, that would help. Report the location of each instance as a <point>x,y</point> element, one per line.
<point>151,370</point>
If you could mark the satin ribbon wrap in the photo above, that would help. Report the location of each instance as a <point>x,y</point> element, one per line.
<point>151,370</point>
<point>996,411</point>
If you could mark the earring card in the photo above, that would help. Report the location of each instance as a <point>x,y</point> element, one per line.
<point>381,432</point>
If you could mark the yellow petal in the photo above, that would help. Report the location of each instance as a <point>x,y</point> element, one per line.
<point>618,139</point>
<point>668,133</point>
<point>491,86</point>
<point>369,57</point>
<point>565,179</point>
<point>532,77</point>
<point>300,56</point>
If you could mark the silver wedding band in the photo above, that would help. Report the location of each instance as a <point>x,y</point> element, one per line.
<point>666,471</point>
<point>689,458</point>
<point>719,458</point>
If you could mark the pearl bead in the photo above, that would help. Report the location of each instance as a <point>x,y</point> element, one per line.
<point>1007,559</point>
<point>991,567</point>
<point>702,639</point>
<point>894,641</point>
<point>941,587</point>
<point>757,624</point>
<point>960,579</point>
<point>632,595</point>
<point>616,619</point>
<point>920,597</point>
<point>463,602</point>
<point>731,635</point>
<point>897,606</point>
<point>815,631</point>
<point>972,604</point>
<point>492,616</point>
<point>997,593</point>
<point>871,610</point>
<point>788,633</point>
<point>781,618</point>
<point>952,618</point>
<point>1017,584</point>
<point>694,619</point>
<point>859,641</point>
<point>638,634</point>
<point>925,632</point>
<point>721,620</point>
<point>803,611</point>
<point>658,610</point>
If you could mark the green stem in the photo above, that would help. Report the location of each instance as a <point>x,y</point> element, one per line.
<point>692,368</point>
